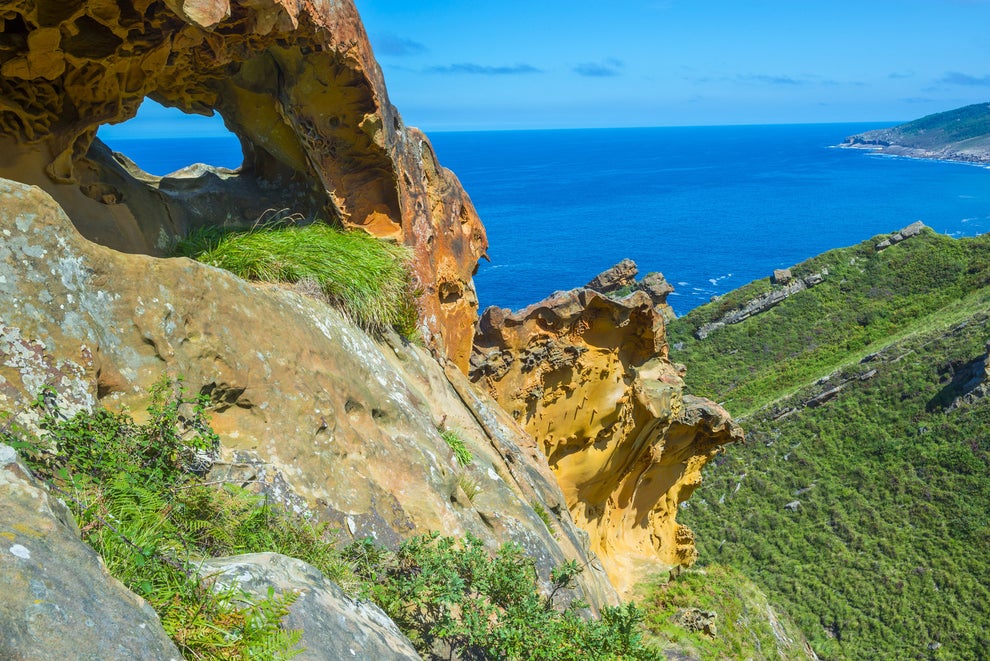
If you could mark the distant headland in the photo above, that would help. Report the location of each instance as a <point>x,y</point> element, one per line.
<point>956,135</point>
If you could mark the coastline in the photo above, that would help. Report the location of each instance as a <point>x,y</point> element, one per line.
<point>980,158</point>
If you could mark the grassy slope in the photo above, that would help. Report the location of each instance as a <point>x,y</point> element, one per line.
<point>886,555</point>
<point>748,627</point>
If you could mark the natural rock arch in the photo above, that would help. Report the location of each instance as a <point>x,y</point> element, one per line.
<point>295,80</point>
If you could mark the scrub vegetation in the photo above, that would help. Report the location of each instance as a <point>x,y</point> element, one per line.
<point>142,500</point>
<point>859,502</point>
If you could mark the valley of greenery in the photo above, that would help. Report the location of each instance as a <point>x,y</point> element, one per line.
<point>859,503</point>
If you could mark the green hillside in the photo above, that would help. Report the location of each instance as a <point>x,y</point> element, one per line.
<point>961,133</point>
<point>861,501</point>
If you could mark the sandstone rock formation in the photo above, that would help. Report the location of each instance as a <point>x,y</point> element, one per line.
<point>333,625</point>
<point>58,601</point>
<point>619,282</point>
<point>348,424</point>
<point>589,378</point>
<point>295,80</point>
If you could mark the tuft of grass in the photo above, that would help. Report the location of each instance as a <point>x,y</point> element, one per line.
<point>367,278</point>
<point>456,444</point>
<point>470,487</point>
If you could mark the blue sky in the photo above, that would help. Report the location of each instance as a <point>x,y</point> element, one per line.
<point>479,64</point>
<point>549,63</point>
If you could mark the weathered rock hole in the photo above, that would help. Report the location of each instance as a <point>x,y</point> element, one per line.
<point>450,292</point>
<point>162,141</point>
<point>93,41</point>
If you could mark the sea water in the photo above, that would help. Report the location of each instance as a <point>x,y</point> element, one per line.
<point>712,208</point>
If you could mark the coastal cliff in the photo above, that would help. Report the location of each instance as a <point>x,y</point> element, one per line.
<point>576,456</point>
<point>962,135</point>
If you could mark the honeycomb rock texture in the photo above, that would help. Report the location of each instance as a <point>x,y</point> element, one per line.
<point>294,80</point>
<point>589,378</point>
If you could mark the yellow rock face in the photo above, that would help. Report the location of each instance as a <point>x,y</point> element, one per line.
<point>589,377</point>
<point>295,80</point>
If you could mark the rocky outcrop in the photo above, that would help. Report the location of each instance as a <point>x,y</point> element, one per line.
<point>295,80</point>
<point>333,625</point>
<point>971,382</point>
<point>588,377</point>
<point>914,229</point>
<point>347,424</point>
<point>788,287</point>
<point>58,601</point>
<point>621,275</point>
<point>619,282</point>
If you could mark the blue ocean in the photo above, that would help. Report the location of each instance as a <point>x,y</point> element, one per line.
<point>712,208</point>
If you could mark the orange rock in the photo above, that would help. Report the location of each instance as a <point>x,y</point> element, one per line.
<point>589,378</point>
<point>295,80</point>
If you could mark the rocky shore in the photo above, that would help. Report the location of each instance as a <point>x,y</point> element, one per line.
<point>961,135</point>
<point>979,155</point>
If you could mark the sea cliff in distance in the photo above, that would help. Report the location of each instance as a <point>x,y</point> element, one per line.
<point>956,135</point>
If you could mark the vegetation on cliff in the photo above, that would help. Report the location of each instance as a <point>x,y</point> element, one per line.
<point>867,299</point>
<point>859,502</point>
<point>718,613</point>
<point>365,277</point>
<point>142,499</point>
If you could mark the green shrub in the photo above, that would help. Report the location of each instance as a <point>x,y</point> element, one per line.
<point>454,598</point>
<point>365,277</point>
<point>138,505</point>
<point>456,444</point>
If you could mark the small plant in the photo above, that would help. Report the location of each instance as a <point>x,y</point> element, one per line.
<point>470,487</point>
<point>456,444</point>
<point>367,278</point>
<point>544,515</point>
<point>138,504</point>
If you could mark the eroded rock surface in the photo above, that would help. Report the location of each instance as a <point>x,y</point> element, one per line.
<point>589,378</point>
<point>295,80</point>
<point>350,425</point>
<point>333,625</point>
<point>58,601</point>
